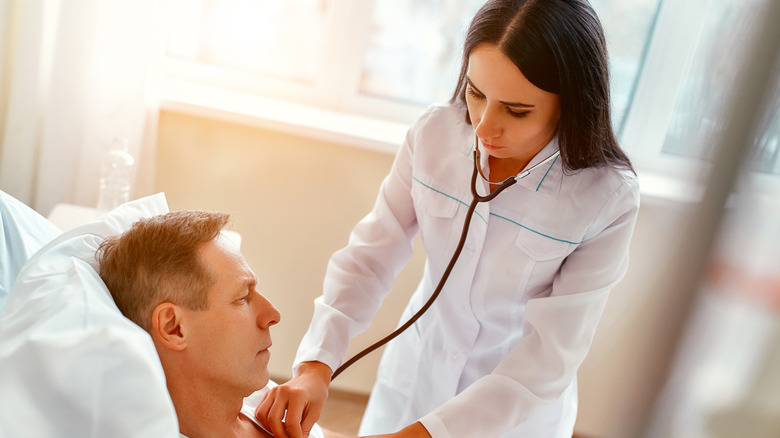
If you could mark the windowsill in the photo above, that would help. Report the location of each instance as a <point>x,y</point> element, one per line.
<point>292,118</point>
<point>653,185</point>
<point>346,129</point>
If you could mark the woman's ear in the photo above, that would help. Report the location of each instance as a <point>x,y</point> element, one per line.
<point>167,326</point>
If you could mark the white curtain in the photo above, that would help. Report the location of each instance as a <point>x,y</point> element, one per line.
<point>74,74</point>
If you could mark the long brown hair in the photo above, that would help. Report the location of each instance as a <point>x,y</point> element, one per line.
<point>559,46</point>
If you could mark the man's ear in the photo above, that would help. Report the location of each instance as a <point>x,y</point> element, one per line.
<point>167,326</point>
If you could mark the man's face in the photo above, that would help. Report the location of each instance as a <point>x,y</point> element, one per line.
<point>229,340</point>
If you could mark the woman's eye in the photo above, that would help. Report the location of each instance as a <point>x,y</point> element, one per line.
<point>517,114</point>
<point>473,93</point>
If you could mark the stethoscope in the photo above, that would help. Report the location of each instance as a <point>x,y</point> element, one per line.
<point>477,198</point>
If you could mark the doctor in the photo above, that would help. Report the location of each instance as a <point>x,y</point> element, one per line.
<point>498,352</point>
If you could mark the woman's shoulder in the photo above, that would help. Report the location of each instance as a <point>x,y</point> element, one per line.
<point>442,114</point>
<point>442,125</point>
<point>605,182</point>
<point>607,175</point>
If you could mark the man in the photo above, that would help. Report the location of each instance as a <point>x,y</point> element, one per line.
<point>189,287</point>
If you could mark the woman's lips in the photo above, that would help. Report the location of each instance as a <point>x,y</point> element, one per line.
<point>491,147</point>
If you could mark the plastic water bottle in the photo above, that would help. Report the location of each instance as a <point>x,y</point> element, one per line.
<point>115,175</point>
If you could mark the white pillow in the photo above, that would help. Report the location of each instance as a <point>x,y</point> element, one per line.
<point>70,364</point>
<point>22,233</point>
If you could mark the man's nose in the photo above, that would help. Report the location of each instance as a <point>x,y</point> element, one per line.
<point>267,313</point>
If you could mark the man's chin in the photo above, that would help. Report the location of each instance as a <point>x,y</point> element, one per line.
<point>265,377</point>
<point>256,383</point>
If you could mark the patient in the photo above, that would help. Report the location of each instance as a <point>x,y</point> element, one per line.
<point>188,286</point>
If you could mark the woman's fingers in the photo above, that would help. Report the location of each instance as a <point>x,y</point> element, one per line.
<point>276,415</point>
<point>292,409</point>
<point>261,412</point>
<point>287,411</point>
<point>310,417</point>
<point>271,411</point>
<point>295,410</point>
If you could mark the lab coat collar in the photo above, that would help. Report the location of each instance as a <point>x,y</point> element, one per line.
<point>546,180</point>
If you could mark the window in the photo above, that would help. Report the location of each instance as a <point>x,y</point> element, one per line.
<point>386,60</point>
<point>691,66</point>
<point>701,99</point>
<point>247,45</point>
<point>415,48</point>
<point>766,158</point>
<point>628,26</point>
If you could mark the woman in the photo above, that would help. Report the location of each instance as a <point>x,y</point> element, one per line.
<point>498,351</point>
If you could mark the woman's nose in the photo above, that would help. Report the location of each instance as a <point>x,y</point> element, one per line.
<point>488,125</point>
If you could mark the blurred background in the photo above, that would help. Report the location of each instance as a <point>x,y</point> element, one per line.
<point>287,114</point>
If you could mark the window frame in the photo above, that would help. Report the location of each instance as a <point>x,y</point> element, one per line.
<point>335,87</point>
<point>668,58</point>
<point>335,101</point>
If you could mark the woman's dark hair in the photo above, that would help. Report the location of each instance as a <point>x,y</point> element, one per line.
<point>559,46</point>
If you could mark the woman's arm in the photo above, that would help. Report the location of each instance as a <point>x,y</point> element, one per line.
<point>357,279</point>
<point>416,430</point>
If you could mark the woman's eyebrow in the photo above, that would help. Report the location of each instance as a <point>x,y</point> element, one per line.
<point>513,104</point>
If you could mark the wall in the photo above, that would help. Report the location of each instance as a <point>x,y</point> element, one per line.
<point>294,200</point>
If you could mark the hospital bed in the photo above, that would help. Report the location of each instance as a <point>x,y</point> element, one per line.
<point>70,364</point>
<point>22,233</point>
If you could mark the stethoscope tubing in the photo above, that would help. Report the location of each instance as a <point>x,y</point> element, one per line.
<point>477,198</point>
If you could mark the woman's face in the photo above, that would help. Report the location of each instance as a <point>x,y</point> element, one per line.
<point>513,119</point>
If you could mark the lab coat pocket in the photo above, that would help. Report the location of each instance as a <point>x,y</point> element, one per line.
<point>545,256</point>
<point>539,247</point>
<point>434,203</point>
<point>436,212</point>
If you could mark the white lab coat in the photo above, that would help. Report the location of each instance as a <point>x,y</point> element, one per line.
<point>497,354</point>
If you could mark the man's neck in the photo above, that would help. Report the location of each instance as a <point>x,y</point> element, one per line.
<point>205,412</point>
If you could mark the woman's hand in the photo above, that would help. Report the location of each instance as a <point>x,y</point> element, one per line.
<point>292,409</point>
<point>416,430</point>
